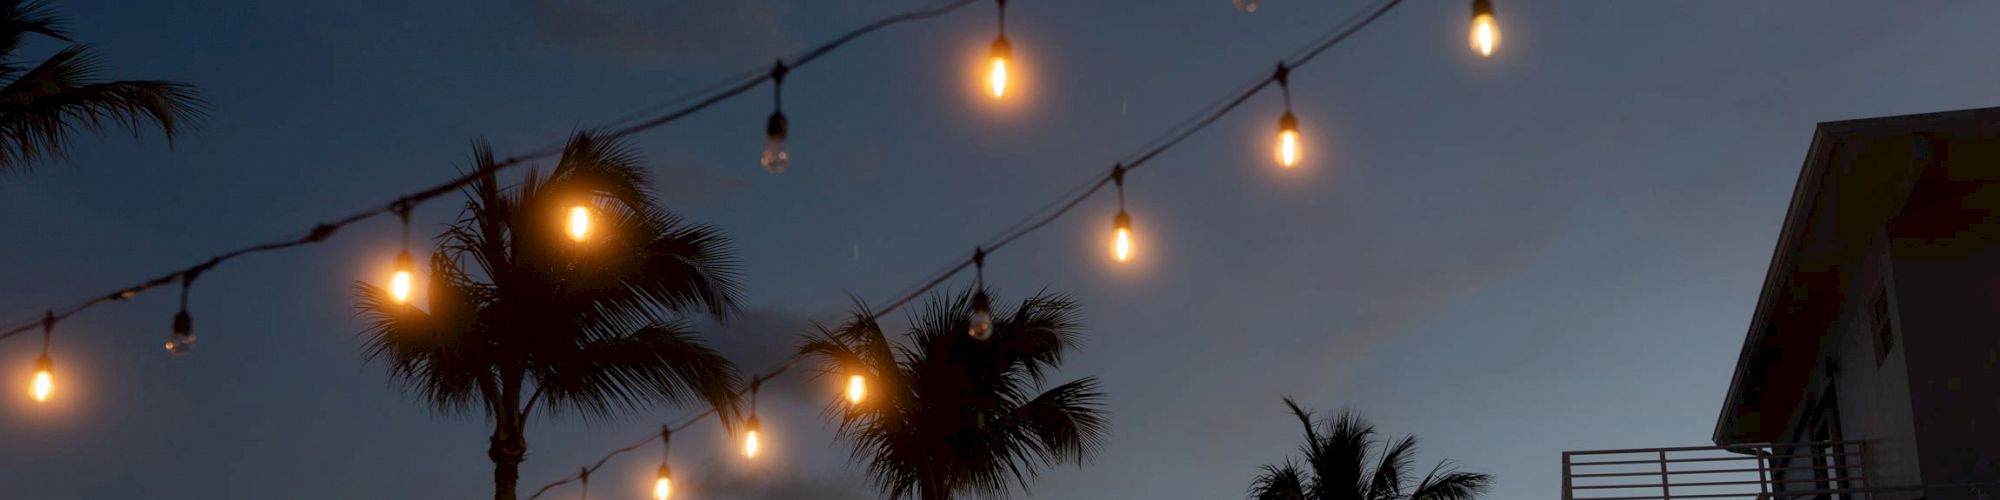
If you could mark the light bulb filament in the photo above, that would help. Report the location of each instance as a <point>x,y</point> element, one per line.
<point>1121,246</point>
<point>857,388</point>
<point>998,77</point>
<point>579,222</point>
<point>1288,148</point>
<point>43,385</point>
<point>1121,235</point>
<point>750,444</point>
<point>1485,34</point>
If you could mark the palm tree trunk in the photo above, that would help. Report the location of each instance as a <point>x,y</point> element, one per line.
<point>509,445</point>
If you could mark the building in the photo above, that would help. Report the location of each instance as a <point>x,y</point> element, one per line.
<point>1871,369</point>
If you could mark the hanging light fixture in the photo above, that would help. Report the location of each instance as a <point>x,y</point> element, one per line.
<point>1121,224</point>
<point>750,439</point>
<point>982,317</point>
<point>578,226</point>
<point>44,380</point>
<point>1287,152</point>
<point>1485,35</point>
<point>980,322</point>
<point>403,281</point>
<point>182,340</point>
<point>663,483</point>
<point>1001,53</point>
<point>776,157</point>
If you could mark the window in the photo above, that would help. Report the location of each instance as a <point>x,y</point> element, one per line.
<point>1885,329</point>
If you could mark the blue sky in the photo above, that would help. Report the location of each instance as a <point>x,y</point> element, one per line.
<point>1554,248</point>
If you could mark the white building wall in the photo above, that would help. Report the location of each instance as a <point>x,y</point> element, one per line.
<point>1874,398</point>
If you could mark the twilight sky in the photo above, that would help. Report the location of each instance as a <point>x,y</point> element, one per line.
<point>1554,248</point>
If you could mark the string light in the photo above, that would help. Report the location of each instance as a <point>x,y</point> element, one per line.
<point>776,158</point>
<point>579,223</point>
<point>1485,34</point>
<point>663,483</point>
<point>1001,54</point>
<point>404,278</point>
<point>751,445</point>
<point>857,389</point>
<point>1041,218</point>
<point>1287,151</point>
<point>980,323</point>
<point>1121,224</point>
<point>44,379</point>
<point>182,340</point>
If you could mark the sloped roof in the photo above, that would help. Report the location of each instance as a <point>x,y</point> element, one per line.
<point>1856,176</point>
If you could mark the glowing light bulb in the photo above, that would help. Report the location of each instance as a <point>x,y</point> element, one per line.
<point>857,388</point>
<point>997,76</point>
<point>45,379</point>
<point>401,283</point>
<point>1485,34</point>
<point>750,444</point>
<point>182,341</point>
<point>1288,140</point>
<point>1121,236</point>
<point>579,222</point>
<point>776,157</point>
<point>664,486</point>
<point>982,317</point>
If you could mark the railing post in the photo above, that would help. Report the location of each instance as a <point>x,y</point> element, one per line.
<point>1666,492</point>
<point>1860,468</point>
<point>1764,472</point>
<point>1568,494</point>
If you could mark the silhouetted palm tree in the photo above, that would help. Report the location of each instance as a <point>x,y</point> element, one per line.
<point>947,414</point>
<point>40,106</point>
<point>1337,467</point>
<point>594,328</point>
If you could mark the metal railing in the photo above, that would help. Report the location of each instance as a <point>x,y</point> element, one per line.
<point>1820,470</point>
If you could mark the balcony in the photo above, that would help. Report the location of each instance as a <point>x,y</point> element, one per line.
<point>1787,471</point>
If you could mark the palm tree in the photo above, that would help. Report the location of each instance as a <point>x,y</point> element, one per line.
<point>519,314</point>
<point>1338,455</point>
<point>40,106</point>
<point>950,415</point>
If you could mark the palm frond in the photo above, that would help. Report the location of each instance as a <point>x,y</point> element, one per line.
<point>19,19</point>
<point>1336,467</point>
<point>1279,482</point>
<point>1445,482</point>
<point>1340,460</point>
<point>602,378</point>
<point>1066,423</point>
<point>438,356</point>
<point>40,108</point>
<point>1390,467</point>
